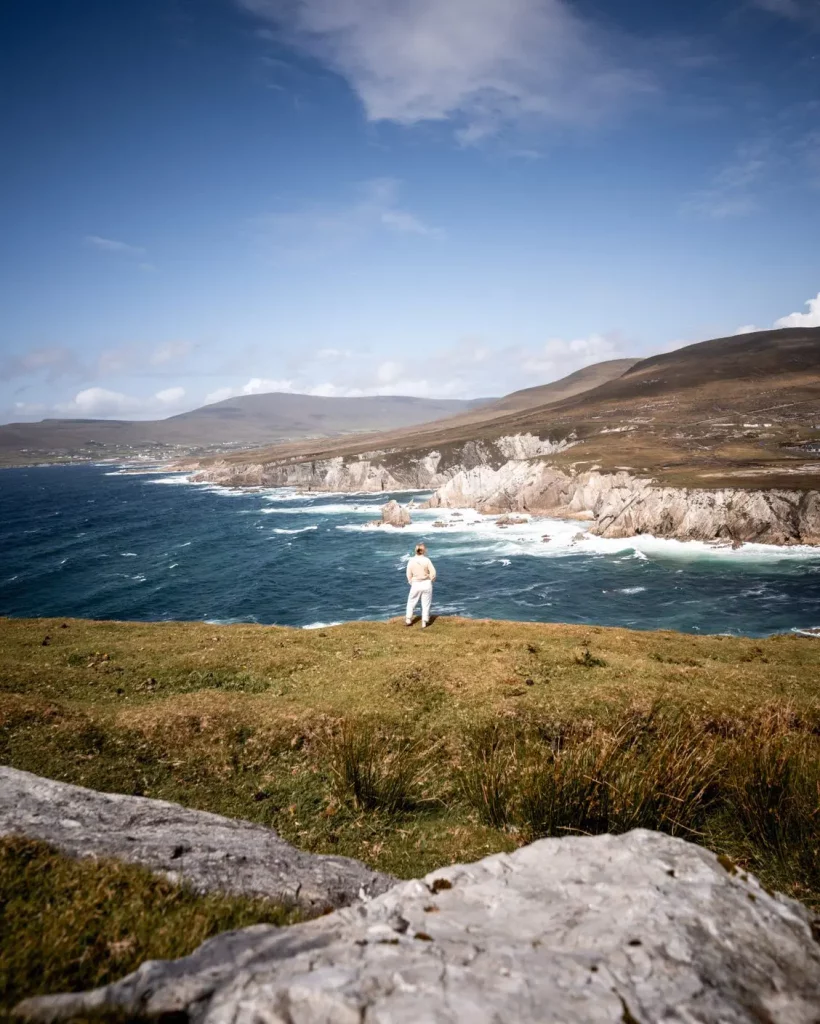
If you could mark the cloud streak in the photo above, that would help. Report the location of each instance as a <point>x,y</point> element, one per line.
<point>482,63</point>
<point>734,189</point>
<point>317,230</point>
<point>112,245</point>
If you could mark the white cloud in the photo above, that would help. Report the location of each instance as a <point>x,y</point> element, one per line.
<point>93,402</point>
<point>170,352</point>
<point>317,230</point>
<point>484,63</point>
<point>255,386</point>
<point>560,357</point>
<point>333,353</point>
<point>170,396</point>
<point>112,245</point>
<point>102,403</point>
<point>409,223</point>
<point>747,329</point>
<point>810,319</point>
<point>389,372</point>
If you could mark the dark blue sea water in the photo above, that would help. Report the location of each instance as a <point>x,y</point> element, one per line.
<point>89,541</point>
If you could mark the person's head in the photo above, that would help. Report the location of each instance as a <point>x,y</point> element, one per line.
<point>421,549</point>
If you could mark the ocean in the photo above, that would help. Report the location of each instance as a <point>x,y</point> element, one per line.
<point>99,542</point>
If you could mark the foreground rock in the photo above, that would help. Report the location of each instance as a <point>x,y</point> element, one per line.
<point>641,927</point>
<point>208,852</point>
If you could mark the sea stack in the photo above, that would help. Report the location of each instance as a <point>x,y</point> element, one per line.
<point>394,514</point>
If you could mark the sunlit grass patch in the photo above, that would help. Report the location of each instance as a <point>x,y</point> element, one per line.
<point>67,925</point>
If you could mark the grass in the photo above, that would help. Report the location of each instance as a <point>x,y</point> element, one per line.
<point>410,751</point>
<point>69,925</point>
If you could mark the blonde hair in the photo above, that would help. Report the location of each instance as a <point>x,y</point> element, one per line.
<point>420,549</point>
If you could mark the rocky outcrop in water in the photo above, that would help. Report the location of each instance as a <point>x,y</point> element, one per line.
<point>394,514</point>
<point>206,851</point>
<point>642,928</point>
<point>514,474</point>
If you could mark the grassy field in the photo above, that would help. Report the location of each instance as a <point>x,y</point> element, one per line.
<point>412,750</point>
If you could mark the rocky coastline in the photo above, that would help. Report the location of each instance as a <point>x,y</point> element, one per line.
<point>515,474</point>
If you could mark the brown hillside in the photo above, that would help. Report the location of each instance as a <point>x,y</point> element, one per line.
<point>726,412</point>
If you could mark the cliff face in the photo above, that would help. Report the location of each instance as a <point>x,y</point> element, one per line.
<point>623,505</point>
<point>513,474</point>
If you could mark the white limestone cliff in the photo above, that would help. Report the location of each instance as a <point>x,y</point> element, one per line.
<point>514,474</point>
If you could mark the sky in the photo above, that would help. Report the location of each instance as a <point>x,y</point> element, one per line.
<point>449,198</point>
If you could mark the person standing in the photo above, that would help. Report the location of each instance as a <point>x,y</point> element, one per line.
<point>420,575</point>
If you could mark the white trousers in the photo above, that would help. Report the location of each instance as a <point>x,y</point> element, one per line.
<point>423,591</point>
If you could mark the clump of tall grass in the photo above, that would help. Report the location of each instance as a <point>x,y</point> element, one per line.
<point>662,770</point>
<point>487,772</point>
<point>375,769</point>
<point>773,788</point>
<point>644,774</point>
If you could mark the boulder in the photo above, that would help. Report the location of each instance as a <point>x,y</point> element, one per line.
<point>643,928</point>
<point>511,521</point>
<point>394,514</point>
<point>208,852</point>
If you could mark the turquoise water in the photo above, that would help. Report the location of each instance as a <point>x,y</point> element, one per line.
<point>93,542</point>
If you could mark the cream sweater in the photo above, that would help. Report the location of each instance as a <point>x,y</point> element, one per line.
<point>420,568</point>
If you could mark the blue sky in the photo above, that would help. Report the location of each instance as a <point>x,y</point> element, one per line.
<point>436,197</point>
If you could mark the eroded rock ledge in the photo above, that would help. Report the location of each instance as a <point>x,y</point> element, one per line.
<point>514,474</point>
<point>208,852</point>
<point>640,927</point>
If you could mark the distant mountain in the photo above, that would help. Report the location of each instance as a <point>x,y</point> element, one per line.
<point>247,420</point>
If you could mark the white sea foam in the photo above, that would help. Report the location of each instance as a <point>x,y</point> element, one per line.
<point>231,622</point>
<point>322,625</point>
<point>174,481</point>
<point>128,554</point>
<point>632,590</point>
<point>325,510</point>
<point>304,529</point>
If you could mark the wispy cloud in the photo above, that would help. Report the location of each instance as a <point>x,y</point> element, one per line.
<point>733,191</point>
<point>112,245</point>
<point>317,230</point>
<point>59,362</point>
<point>481,63</point>
<point>51,363</point>
<point>794,10</point>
